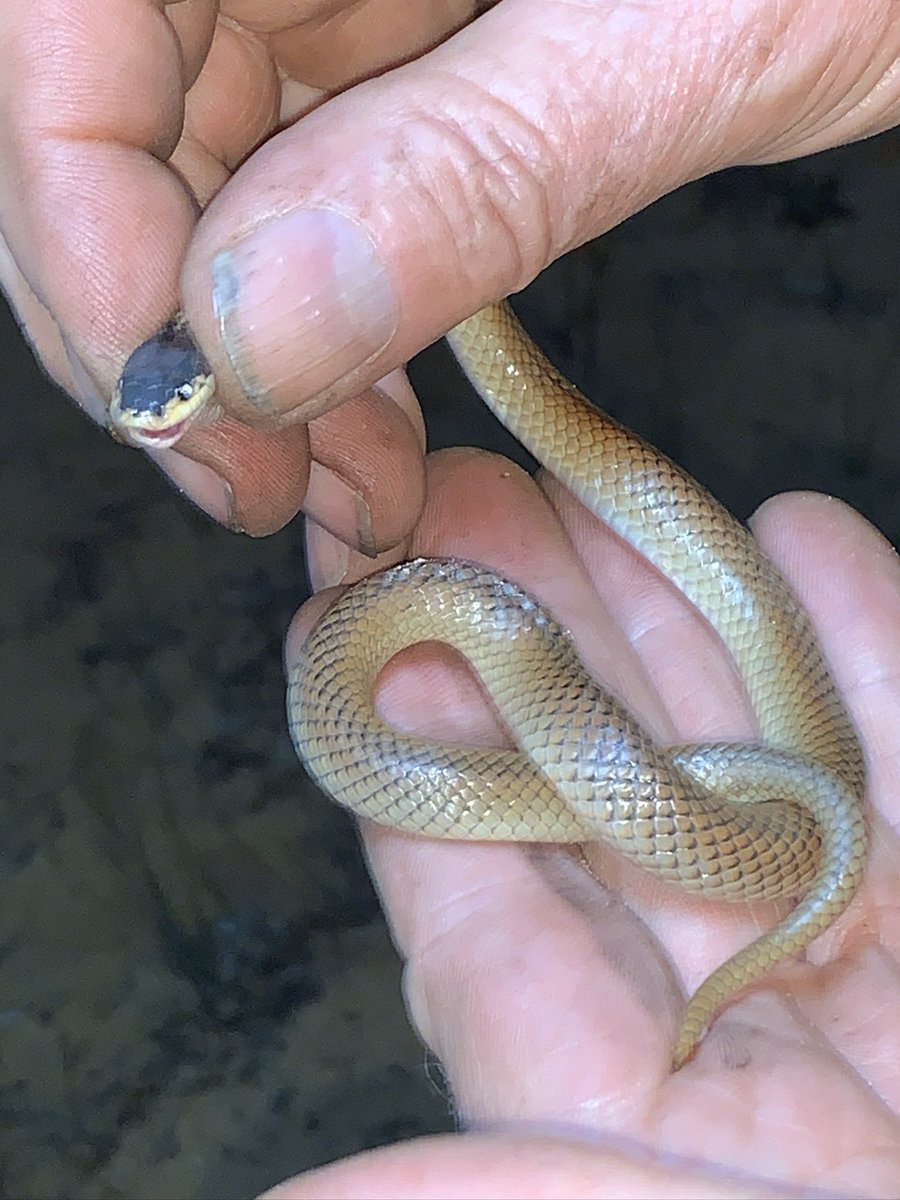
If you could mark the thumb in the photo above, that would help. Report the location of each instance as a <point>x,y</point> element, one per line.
<point>389,213</point>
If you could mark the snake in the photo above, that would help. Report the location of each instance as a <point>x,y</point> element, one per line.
<point>783,815</point>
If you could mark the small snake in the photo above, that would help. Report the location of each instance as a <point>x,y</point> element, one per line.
<point>784,816</point>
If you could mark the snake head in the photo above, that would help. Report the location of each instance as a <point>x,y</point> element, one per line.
<point>165,385</point>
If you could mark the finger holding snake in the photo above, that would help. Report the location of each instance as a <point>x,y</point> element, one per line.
<point>120,122</point>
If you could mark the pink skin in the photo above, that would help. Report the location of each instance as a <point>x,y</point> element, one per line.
<point>537,128</point>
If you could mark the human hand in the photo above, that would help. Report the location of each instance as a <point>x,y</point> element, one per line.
<point>552,999</point>
<point>392,205</point>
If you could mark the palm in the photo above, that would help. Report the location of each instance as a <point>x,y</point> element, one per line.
<point>551,998</point>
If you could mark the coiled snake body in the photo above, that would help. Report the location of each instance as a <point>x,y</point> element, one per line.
<point>732,821</point>
<point>783,817</point>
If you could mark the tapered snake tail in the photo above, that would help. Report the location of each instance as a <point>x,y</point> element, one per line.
<point>746,772</point>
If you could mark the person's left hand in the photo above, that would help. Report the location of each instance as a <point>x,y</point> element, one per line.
<point>552,999</point>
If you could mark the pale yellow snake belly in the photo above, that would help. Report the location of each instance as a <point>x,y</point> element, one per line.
<point>781,817</point>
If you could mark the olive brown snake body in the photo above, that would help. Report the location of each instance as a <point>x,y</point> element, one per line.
<point>782,817</point>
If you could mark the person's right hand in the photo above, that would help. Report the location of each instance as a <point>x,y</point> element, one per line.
<point>392,205</point>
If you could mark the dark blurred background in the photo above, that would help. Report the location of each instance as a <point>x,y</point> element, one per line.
<point>198,996</point>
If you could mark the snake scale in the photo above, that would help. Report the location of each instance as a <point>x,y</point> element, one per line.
<point>784,816</point>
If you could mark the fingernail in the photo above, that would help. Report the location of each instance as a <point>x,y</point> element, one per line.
<point>327,558</point>
<point>340,508</point>
<point>301,302</point>
<point>199,483</point>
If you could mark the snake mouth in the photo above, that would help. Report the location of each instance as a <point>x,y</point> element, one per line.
<point>159,430</point>
<point>156,439</point>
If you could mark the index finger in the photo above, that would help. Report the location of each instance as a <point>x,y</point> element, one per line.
<point>91,106</point>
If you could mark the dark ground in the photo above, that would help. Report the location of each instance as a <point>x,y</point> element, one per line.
<point>197,993</point>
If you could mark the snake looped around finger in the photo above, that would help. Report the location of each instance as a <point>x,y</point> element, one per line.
<point>784,816</point>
